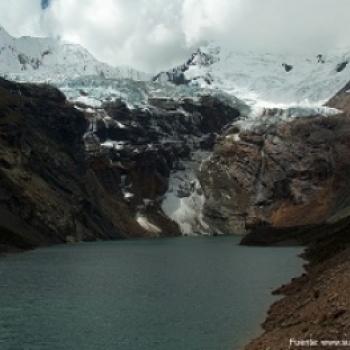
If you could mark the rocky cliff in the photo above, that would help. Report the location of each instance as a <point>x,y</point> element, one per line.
<point>73,173</point>
<point>315,306</point>
<point>50,191</point>
<point>279,179</point>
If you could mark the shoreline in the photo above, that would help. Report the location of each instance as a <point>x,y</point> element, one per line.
<point>314,305</point>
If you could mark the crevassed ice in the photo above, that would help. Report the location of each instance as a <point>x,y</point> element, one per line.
<point>256,76</point>
<point>187,209</point>
<point>94,89</point>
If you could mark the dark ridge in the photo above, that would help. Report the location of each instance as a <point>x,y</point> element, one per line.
<point>341,66</point>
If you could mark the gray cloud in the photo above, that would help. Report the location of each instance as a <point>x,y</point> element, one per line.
<point>155,34</point>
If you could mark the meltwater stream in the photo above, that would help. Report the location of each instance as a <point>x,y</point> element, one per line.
<point>173,294</point>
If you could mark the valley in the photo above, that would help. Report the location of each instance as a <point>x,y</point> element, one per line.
<point>227,144</point>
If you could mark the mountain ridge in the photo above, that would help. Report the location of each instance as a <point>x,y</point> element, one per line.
<point>49,59</point>
<point>264,79</point>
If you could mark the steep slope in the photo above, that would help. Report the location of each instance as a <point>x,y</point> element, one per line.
<point>262,181</point>
<point>48,59</point>
<point>71,173</point>
<point>315,306</point>
<point>265,80</point>
<point>341,100</point>
<point>50,191</point>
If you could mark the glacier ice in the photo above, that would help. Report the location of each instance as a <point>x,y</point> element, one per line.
<point>51,60</point>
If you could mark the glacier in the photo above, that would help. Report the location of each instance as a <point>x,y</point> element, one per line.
<point>51,60</point>
<point>262,79</point>
<point>185,200</point>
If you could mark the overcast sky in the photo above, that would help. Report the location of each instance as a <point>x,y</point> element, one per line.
<point>156,34</point>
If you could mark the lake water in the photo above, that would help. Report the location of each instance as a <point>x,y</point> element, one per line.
<point>166,294</point>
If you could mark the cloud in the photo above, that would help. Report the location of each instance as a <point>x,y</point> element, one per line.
<point>156,34</point>
<point>299,25</point>
<point>142,33</point>
<point>21,17</point>
<point>208,19</point>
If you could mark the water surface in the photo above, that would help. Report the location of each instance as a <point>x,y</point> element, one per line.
<point>169,294</point>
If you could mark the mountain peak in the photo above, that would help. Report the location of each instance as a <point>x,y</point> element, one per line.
<point>272,78</point>
<point>4,34</point>
<point>40,59</point>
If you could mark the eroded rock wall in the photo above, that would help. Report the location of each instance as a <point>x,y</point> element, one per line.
<point>72,173</point>
<point>279,178</point>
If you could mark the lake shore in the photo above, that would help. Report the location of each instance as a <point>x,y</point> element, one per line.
<point>315,306</point>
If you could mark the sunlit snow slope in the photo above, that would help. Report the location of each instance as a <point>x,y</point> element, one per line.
<point>268,80</point>
<point>48,59</point>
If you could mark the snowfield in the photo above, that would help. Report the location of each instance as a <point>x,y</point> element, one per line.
<point>293,82</point>
<point>51,60</point>
<point>266,79</point>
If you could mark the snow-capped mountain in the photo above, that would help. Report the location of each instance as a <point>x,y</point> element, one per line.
<point>48,59</point>
<point>200,58</point>
<point>265,79</point>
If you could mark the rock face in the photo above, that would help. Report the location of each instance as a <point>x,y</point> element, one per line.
<point>341,100</point>
<point>50,191</point>
<point>151,146</point>
<point>177,75</point>
<point>275,180</point>
<point>287,67</point>
<point>341,66</point>
<point>71,174</point>
<point>316,304</point>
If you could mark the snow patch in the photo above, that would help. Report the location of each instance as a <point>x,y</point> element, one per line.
<point>147,225</point>
<point>184,201</point>
<point>116,145</point>
<point>89,101</point>
<point>128,195</point>
<point>269,114</point>
<point>120,125</point>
